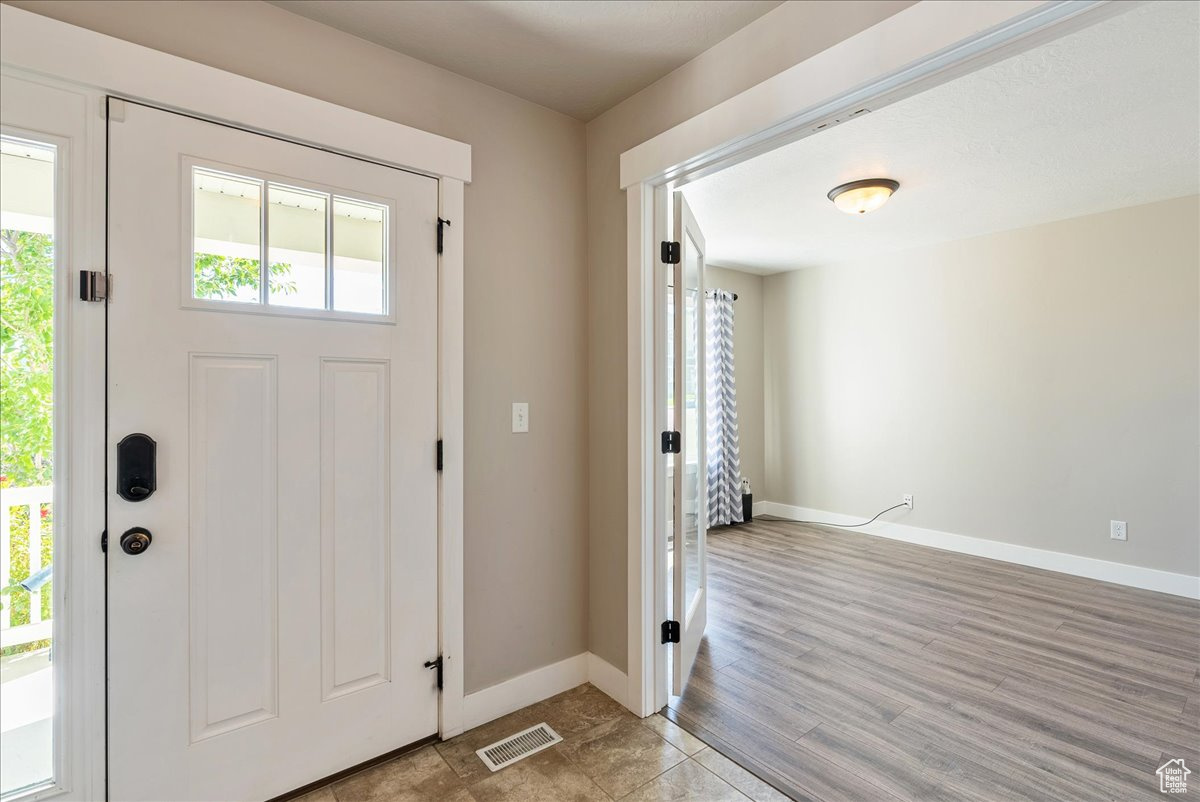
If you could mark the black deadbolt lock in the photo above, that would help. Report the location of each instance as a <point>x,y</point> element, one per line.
<point>136,480</point>
<point>136,540</point>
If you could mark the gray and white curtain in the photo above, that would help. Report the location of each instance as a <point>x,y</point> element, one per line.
<point>724,463</point>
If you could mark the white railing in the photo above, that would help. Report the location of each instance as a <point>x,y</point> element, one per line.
<point>31,499</point>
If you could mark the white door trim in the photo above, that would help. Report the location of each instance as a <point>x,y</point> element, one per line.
<point>922,46</point>
<point>100,65</point>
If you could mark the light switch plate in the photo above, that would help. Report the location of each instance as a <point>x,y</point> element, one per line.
<point>520,416</point>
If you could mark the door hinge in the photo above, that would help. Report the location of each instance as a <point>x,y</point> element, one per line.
<point>670,252</point>
<point>439,455</point>
<point>672,443</point>
<point>436,664</point>
<point>104,541</point>
<point>670,632</point>
<point>94,285</point>
<point>442,223</point>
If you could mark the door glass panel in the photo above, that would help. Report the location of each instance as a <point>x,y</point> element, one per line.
<point>296,254</point>
<point>359,236</point>
<point>692,442</point>
<point>227,236</point>
<point>27,530</point>
<point>669,459</point>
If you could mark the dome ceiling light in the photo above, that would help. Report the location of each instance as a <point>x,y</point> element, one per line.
<point>860,197</point>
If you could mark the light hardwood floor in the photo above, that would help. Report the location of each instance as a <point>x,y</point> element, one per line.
<point>840,666</point>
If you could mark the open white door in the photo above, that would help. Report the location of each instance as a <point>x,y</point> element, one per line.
<point>272,330</point>
<point>689,559</point>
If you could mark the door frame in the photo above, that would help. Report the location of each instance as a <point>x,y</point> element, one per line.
<point>920,47</point>
<point>97,66</point>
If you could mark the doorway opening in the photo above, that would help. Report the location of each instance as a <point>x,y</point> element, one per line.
<point>908,354</point>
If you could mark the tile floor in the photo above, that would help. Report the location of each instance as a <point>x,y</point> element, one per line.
<point>607,753</point>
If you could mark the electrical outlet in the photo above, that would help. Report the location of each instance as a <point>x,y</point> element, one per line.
<point>520,416</point>
<point>908,500</point>
<point>1118,530</point>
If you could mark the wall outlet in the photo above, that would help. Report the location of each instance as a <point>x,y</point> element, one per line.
<point>520,416</point>
<point>908,500</point>
<point>1118,530</point>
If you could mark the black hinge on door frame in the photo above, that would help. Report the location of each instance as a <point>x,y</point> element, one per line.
<point>439,455</point>
<point>94,285</point>
<point>670,632</point>
<point>442,223</point>
<point>104,541</point>
<point>670,252</point>
<point>672,443</point>
<point>437,664</point>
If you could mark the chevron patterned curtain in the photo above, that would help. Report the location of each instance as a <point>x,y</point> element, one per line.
<point>724,463</point>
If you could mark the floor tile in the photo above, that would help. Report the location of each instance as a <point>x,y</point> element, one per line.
<point>673,734</point>
<point>621,755</point>
<point>687,782</point>
<point>578,710</point>
<point>737,776</point>
<point>417,777</point>
<point>544,777</point>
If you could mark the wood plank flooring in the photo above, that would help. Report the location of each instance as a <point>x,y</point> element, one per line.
<point>840,666</point>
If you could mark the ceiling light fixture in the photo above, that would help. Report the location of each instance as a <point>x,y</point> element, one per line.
<point>860,197</point>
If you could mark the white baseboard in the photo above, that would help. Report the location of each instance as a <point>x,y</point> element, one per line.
<point>608,678</point>
<point>499,700</point>
<point>1103,570</point>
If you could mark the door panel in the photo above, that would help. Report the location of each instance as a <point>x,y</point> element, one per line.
<point>689,559</point>
<point>274,631</point>
<point>355,649</point>
<point>234,623</point>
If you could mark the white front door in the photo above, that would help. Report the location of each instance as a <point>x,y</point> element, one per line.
<point>689,556</point>
<point>272,328</point>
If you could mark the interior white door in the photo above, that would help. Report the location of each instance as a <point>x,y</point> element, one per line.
<point>689,557</point>
<point>275,629</point>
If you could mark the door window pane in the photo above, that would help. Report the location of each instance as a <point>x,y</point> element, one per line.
<point>690,418</point>
<point>296,221</point>
<point>227,237</point>
<point>359,237</point>
<point>27,530</point>
<point>322,253</point>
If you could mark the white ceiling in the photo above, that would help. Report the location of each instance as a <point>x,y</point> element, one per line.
<point>1104,118</point>
<point>580,58</point>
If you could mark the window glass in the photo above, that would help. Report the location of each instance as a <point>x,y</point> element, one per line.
<point>28,529</point>
<point>322,252</point>
<point>359,235</point>
<point>227,237</point>
<point>296,221</point>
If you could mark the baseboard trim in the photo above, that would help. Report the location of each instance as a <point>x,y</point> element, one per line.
<point>1089,567</point>
<point>503,698</point>
<point>608,678</point>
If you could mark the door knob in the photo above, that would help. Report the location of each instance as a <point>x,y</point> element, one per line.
<point>136,540</point>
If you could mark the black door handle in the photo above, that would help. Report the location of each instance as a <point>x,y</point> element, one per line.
<point>136,540</point>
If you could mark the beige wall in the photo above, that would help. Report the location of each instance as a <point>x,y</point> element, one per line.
<point>526,495</point>
<point>747,366</point>
<point>779,39</point>
<point>1027,387</point>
